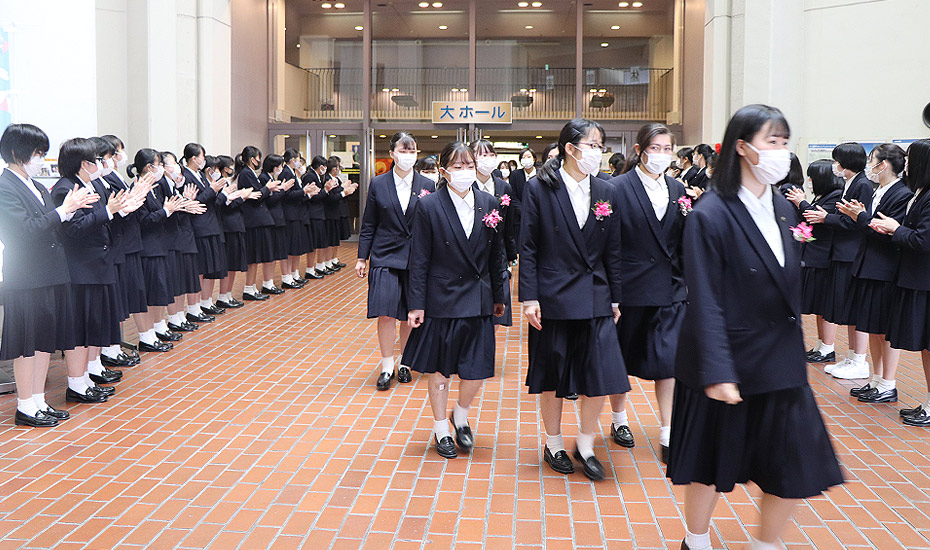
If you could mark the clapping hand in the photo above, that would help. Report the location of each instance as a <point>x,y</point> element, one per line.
<point>796,196</point>
<point>286,186</point>
<point>77,198</point>
<point>815,216</point>
<point>851,208</point>
<point>884,224</point>
<point>116,202</point>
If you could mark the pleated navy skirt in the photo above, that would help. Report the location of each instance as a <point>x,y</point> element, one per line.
<point>871,305</point>
<point>188,274</point>
<point>298,238</point>
<point>158,291</point>
<point>280,242</point>
<point>332,232</point>
<point>909,325</point>
<point>173,273</point>
<point>132,284</point>
<point>387,293</point>
<point>345,229</point>
<point>319,233</point>
<point>464,347</point>
<point>236,256</point>
<point>505,320</point>
<point>576,356</point>
<point>837,307</point>
<point>259,245</point>
<point>815,288</point>
<point>122,304</point>
<point>211,257</point>
<point>37,319</point>
<point>96,315</point>
<point>776,440</point>
<point>648,338</point>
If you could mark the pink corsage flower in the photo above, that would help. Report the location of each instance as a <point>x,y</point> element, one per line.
<point>423,193</point>
<point>684,204</point>
<point>505,200</point>
<point>492,219</point>
<point>602,209</point>
<point>803,233</point>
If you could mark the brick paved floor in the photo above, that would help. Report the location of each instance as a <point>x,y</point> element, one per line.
<point>265,430</point>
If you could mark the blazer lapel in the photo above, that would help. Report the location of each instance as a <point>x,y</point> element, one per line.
<point>648,211</point>
<point>761,246</point>
<point>478,224</point>
<point>571,222</point>
<point>784,215</point>
<point>453,218</point>
<point>672,211</point>
<point>28,195</point>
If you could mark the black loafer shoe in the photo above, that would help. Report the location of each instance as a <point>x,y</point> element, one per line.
<point>663,453</point>
<point>875,396</point>
<point>157,346</point>
<point>183,327</point>
<point>40,420</point>
<point>328,271</point>
<point>274,291</point>
<point>592,466</point>
<point>856,392</point>
<point>301,281</point>
<point>445,447</point>
<point>622,436</point>
<point>921,420</point>
<point>107,376</point>
<point>463,437</point>
<point>916,411</point>
<point>403,375</point>
<point>56,413</point>
<point>289,286</point>
<point>230,305</point>
<point>202,318</point>
<point>257,297</point>
<point>103,390</point>
<point>384,381</point>
<point>170,336</point>
<point>89,396</point>
<point>128,348</point>
<point>340,265</point>
<point>559,461</point>
<point>213,310</point>
<point>121,360</point>
<point>816,357</point>
<point>313,275</point>
<point>572,397</point>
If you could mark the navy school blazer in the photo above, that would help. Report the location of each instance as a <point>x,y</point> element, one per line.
<point>451,275</point>
<point>255,213</point>
<point>33,255</point>
<point>87,240</point>
<point>650,248</point>
<point>275,201</point>
<point>913,238</point>
<point>573,273</point>
<point>126,230</point>
<point>153,224</point>
<point>315,204</point>
<point>206,224</point>
<point>817,252</point>
<point>501,188</point>
<point>847,237</point>
<point>877,258</point>
<point>386,229</point>
<point>296,202</point>
<point>743,321</point>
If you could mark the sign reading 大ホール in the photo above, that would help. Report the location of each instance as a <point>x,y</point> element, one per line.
<point>477,112</point>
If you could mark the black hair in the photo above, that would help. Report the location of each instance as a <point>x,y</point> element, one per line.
<point>143,158</point>
<point>524,151</point>
<point>704,150</point>
<point>618,161</point>
<point>644,138</point>
<point>73,153</point>
<point>192,150</point>
<point>224,161</point>
<point>243,159</point>
<point>573,132</point>
<point>426,163</point>
<point>103,147</point>
<point>918,165</point>
<point>290,154</point>
<point>712,159</point>
<point>271,162</point>
<point>165,154</point>
<point>21,141</point>
<point>550,147</point>
<point>795,175</point>
<point>685,153</point>
<point>514,164</point>
<point>115,141</point>
<point>851,156</point>
<point>404,138</point>
<point>503,163</point>
<point>209,161</point>
<point>483,146</point>
<point>332,162</point>
<point>822,179</point>
<point>450,154</point>
<point>317,161</point>
<point>891,152</point>
<point>745,124</point>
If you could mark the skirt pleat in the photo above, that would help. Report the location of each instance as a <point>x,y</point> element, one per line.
<point>298,238</point>
<point>158,291</point>
<point>909,327</point>
<point>280,242</point>
<point>837,306</point>
<point>236,255</point>
<point>188,274</point>
<point>132,284</point>
<point>648,338</point>
<point>464,347</point>
<point>173,273</point>
<point>259,245</point>
<point>871,305</point>
<point>320,234</point>
<point>332,232</point>
<point>211,257</point>
<point>345,229</point>
<point>37,319</point>
<point>815,288</point>
<point>96,315</point>
<point>387,293</point>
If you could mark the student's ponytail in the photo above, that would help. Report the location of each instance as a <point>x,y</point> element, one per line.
<point>242,159</point>
<point>573,132</point>
<point>143,158</point>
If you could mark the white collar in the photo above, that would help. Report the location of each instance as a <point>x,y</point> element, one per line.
<point>572,184</point>
<point>753,202</point>
<point>407,181</point>
<point>647,179</point>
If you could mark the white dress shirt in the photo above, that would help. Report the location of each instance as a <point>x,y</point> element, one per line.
<point>488,186</point>
<point>848,183</point>
<point>465,208</point>
<point>879,193</point>
<point>656,190</point>
<point>579,192</point>
<point>31,186</point>
<point>762,210</point>
<point>403,187</point>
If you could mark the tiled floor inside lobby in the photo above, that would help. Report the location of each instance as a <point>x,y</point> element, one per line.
<point>264,430</point>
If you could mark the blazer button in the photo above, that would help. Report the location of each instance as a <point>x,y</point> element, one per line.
<point>590,270</point>
<point>447,243</point>
<point>477,277</point>
<point>652,260</point>
<point>571,270</point>
<point>753,271</point>
<point>792,319</point>
<point>104,247</point>
<point>556,229</point>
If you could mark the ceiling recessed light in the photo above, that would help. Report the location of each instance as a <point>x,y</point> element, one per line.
<point>339,5</point>
<point>359,27</point>
<point>385,89</point>
<point>604,44</point>
<point>332,135</point>
<point>326,5</point>
<point>455,89</point>
<point>532,90</point>
<point>382,136</point>
<point>437,4</point>
<point>522,4</point>
<point>298,45</point>
<point>443,27</point>
<point>624,4</point>
<point>424,4</point>
<point>464,90</point>
<point>434,137</point>
<point>523,90</point>
<point>602,91</point>
<point>637,4</point>
<point>395,89</point>
<point>593,90</point>
<point>536,4</point>
<point>615,27</point>
<point>528,27</point>
<point>538,137</point>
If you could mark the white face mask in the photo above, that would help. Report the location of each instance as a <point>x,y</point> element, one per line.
<point>486,165</point>
<point>214,175</point>
<point>404,161</point>
<point>590,161</point>
<point>773,166</point>
<point>199,163</point>
<point>108,166</point>
<point>159,172</point>
<point>122,159</point>
<point>527,163</point>
<point>461,180</point>
<point>174,170</point>
<point>301,169</point>
<point>837,171</point>
<point>505,173</point>
<point>96,173</point>
<point>432,176</point>
<point>657,163</point>
<point>872,174</point>
<point>277,173</point>
<point>34,167</point>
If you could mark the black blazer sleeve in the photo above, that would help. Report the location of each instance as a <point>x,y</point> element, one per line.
<point>370,222</point>
<point>529,229</point>
<point>420,253</point>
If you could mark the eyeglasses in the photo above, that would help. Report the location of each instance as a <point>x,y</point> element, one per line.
<point>596,146</point>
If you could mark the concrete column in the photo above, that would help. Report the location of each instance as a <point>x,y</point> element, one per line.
<point>214,39</point>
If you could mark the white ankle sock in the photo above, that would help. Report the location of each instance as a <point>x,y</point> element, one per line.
<point>873,382</point>
<point>698,542</point>
<point>194,309</point>
<point>77,384</point>
<point>111,351</point>
<point>554,443</point>
<point>90,383</point>
<point>886,385</point>
<point>827,349</point>
<point>857,358</point>
<point>250,289</point>
<point>387,364</point>
<point>665,434</point>
<point>206,303</point>
<point>320,266</point>
<point>287,278</point>
<point>176,319</point>
<point>619,418</point>
<point>756,544</point>
<point>460,415</point>
<point>268,284</point>
<point>27,406</point>
<point>148,337</point>
<point>441,428</point>
<point>95,366</point>
<point>585,445</point>
<point>296,273</point>
<point>331,263</point>
<point>227,297</point>
<point>39,399</point>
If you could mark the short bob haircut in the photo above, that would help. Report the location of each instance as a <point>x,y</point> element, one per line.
<point>271,162</point>
<point>104,147</point>
<point>822,179</point>
<point>73,153</point>
<point>851,156</point>
<point>745,125</point>
<point>192,150</point>
<point>21,141</point>
<point>918,165</point>
<point>317,161</point>
<point>426,164</point>
<point>290,154</point>
<point>795,175</point>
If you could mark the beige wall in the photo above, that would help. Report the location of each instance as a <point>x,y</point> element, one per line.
<point>249,74</point>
